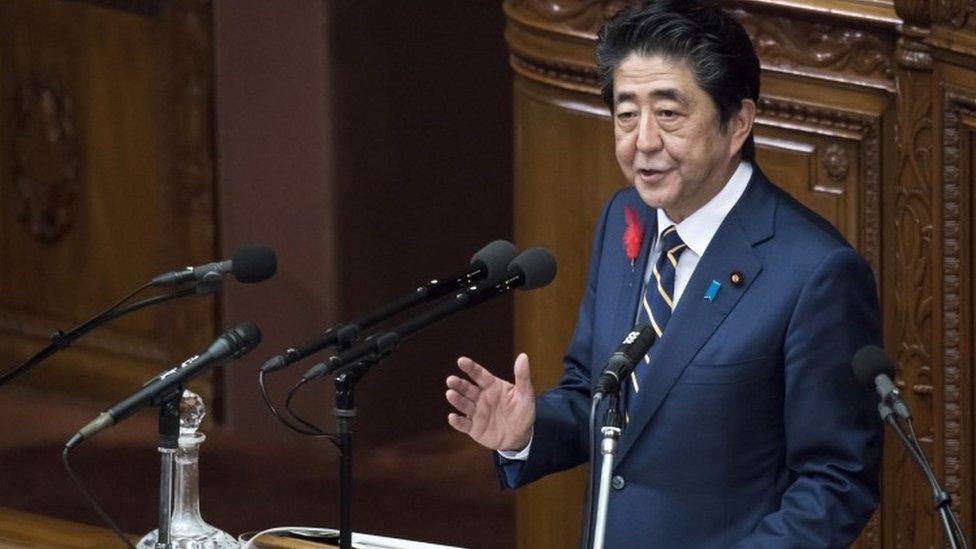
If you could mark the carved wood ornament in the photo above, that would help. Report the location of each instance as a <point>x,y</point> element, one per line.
<point>954,13</point>
<point>790,45</point>
<point>783,44</point>
<point>864,129</point>
<point>578,17</point>
<point>959,125</point>
<point>46,159</point>
<point>835,162</point>
<point>910,332</point>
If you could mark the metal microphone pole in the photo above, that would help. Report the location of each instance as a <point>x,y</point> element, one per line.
<point>345,414</point>
<point>953,532</point>
<point>608,449</point>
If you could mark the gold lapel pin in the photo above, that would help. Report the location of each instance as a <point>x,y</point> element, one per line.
<point>736,278</point>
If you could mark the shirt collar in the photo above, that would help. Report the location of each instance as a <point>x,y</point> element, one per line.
<point>697,230</point>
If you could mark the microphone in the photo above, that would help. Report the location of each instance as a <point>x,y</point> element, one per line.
<point>250,263</point>
<point>233,344</point>
<point>533,268</point>
<point>873,367</point>
<point>490,264</point>
<point>632,350</point>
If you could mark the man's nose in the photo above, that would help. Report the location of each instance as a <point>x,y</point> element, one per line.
<point>649,135</point>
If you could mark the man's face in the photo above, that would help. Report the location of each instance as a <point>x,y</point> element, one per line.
<point>668,140</point>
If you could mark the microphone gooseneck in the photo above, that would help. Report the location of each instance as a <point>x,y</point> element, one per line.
<point>533,268</point>
<point>488,265</point>
<point>872,367</point>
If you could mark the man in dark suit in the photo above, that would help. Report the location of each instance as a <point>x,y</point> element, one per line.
<point>746,426</point>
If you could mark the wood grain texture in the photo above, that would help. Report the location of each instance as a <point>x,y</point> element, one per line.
<point>20,530</point>
<point>103,172</point>
<point>562,148</point>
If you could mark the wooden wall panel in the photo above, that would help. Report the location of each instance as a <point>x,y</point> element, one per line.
<point>828,154</point>
<point>564,148</point>
<point>104,167</point>
<point>951,439</point>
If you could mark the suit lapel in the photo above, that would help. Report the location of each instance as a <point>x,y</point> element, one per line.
<point>696,318</point>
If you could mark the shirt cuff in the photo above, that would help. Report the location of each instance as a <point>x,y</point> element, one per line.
<point>521,455</point>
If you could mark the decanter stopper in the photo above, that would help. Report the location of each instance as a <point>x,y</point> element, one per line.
<point>192,412</point>
<point>188,529</point>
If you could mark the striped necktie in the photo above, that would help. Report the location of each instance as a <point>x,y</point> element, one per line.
<point>657,301</point>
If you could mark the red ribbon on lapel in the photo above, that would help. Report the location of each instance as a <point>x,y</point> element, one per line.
<point>633,234</point>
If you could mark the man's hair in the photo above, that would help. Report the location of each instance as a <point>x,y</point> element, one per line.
<point>714,46</point>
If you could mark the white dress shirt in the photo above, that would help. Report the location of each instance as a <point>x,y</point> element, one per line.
<point>696,231</point>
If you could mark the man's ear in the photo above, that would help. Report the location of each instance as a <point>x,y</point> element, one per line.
<point>740,125</point>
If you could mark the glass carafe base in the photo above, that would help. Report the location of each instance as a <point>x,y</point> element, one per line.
<point>215,539</point>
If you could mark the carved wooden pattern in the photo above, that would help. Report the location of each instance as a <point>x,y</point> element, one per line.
<point>953,13</point>
<point>562,74</point>
<point>959,126</point>
<point>790,45</point>
<point>865,129</point>
<point>783,44</point>
<point>910,335</point>
<point>46,161</point>
<point>835,162</point>
<point>579,17</point>
<point>915,12</point>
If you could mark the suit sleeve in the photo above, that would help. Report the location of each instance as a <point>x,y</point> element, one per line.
<point>833,434</point>
<point>560,438</point>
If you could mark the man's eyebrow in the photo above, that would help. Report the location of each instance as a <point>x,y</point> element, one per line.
<point>670,93</point>
<point>665,93</point>
<point>623,96</point>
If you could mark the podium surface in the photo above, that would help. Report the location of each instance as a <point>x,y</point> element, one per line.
<point>19,529</point>
<point>22,530</point>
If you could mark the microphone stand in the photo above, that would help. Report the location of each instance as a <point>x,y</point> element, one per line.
<point>169,436</point>
<point>608,448</point>
<point>62,340</point>
<point>345,414</point>
<point>953,532</point>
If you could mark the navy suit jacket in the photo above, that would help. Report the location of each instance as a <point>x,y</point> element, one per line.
<point>751,430</point>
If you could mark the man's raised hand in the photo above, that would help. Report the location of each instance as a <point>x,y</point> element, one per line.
<point>492,411</point>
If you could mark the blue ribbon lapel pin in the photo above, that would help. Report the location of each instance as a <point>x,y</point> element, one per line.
<point>712,290</point>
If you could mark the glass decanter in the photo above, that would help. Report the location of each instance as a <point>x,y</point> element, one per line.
<point>188,530</point>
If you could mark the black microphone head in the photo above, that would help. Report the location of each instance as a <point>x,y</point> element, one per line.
<point>242,338</point>
<point>869,362</point>
<point>495,257</point>
<point>537,265</point>
<point>253,263</point>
